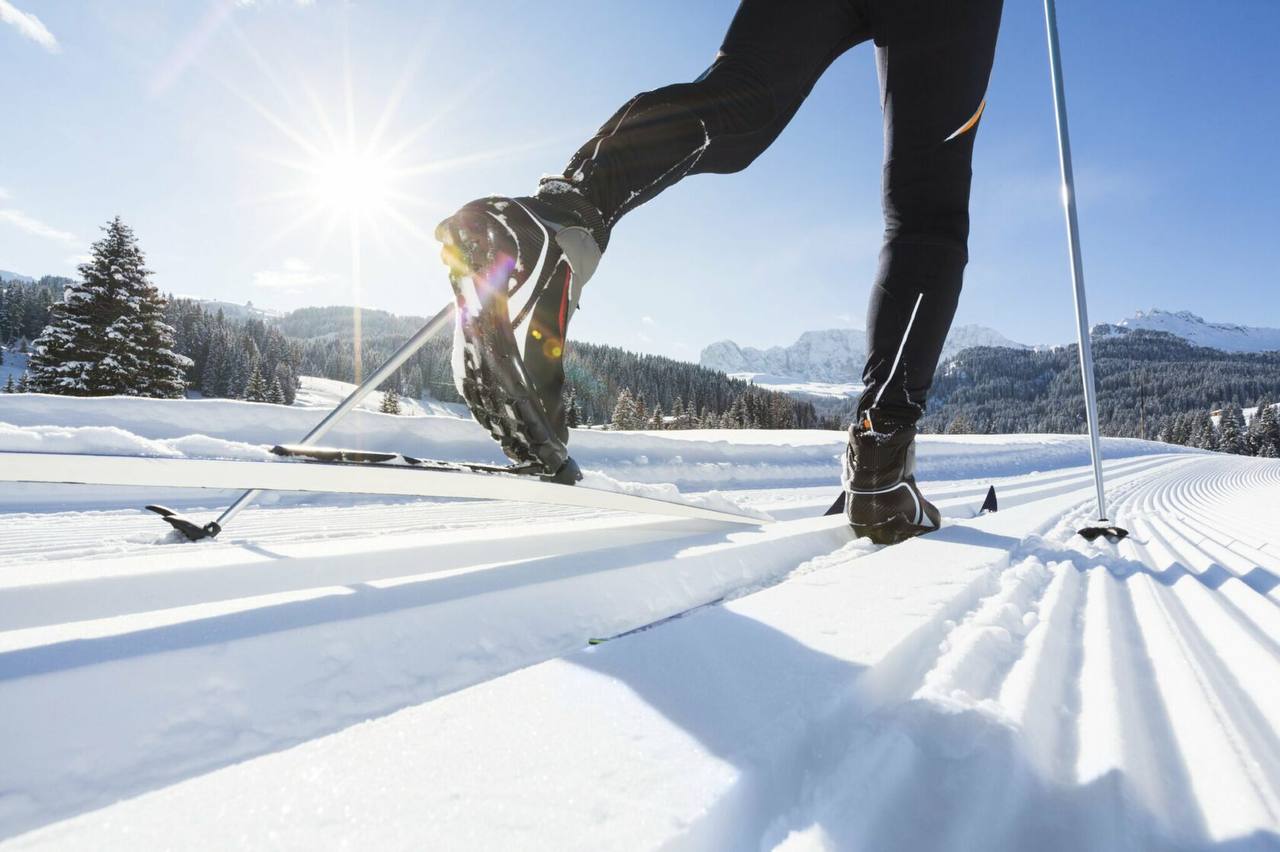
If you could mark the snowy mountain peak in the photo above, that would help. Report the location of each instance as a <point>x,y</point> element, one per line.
<point>1229,337</point>
<point>829,355</point>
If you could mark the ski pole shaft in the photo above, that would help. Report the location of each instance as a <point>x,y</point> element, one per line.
<point>1077,264</point>
<point>404,353</point>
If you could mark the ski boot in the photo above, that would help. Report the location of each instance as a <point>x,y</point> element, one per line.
<point>517,267</point>
<point>881,500</point>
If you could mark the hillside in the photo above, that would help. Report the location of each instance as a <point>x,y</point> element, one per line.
<point>1142,376</point>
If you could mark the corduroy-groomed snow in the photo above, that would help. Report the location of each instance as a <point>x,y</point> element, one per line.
<point>418,674</point>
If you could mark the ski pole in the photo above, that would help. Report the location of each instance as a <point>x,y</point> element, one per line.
<point>433,327</point>
<point>1077,276</point>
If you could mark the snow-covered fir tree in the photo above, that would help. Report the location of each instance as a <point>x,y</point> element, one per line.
<point>275,393</point>
<point>572,416</point>
<point>9,386</point>
<point>24,383</point>
<point>390,401</point>
<point>1231,430</point>
<point>1206,437</point>
<point>255,390</point>
<point>624,411</point>
<point>108,336</point>
<point>1265,430</point>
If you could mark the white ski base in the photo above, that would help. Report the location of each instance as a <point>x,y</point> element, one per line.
<point>333,478</point>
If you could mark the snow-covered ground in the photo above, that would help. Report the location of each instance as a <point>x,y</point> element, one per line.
<point>315,392</point>
<point>15,364</point>
<point>797,387</point>
<point>417,674</point>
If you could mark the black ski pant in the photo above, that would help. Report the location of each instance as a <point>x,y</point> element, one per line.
<point>934,58</point>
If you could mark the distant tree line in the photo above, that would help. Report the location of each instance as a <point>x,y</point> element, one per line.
<point>25,306</point>
<point>1144,380</point>
<point>598,376</point>
<point>1261,437</point>
<point>234,359</point>
<point>751,409</point>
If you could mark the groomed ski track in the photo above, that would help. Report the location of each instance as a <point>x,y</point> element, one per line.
<point>309,682</point>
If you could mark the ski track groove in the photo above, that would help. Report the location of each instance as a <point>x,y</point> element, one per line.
<point>1149,670</point>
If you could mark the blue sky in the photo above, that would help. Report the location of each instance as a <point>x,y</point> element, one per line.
<point>221,131</point>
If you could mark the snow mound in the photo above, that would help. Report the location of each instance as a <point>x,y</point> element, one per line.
<point>666,491</point>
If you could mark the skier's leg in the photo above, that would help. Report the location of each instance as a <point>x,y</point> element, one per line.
<point>519,264</point>
<point>772,55</point>
<point>934,58</point>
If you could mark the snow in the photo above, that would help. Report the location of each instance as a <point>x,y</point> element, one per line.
<point>315,392</point>
<point>387,673</point>
<point>15,364</point>
<point>806,390</point>
<point>1229,337</point>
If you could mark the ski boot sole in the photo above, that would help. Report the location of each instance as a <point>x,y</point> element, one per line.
<point>494,384</point>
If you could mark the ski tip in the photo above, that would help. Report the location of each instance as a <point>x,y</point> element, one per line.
<point>989,504</point>
<point>1110,533</point>
<point>189,528</point>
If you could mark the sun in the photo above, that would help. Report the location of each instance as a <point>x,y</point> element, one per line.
<point>350,182</point>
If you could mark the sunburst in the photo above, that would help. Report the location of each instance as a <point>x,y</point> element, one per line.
<point>341,174</point>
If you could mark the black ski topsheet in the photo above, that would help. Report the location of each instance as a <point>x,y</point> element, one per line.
<point>341,455</point>
<point>332,454</point>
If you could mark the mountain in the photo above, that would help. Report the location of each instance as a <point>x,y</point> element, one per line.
<point>835,355</point>
<point>1228,337</point>
<point>832,355</point>
<point>6,275</point>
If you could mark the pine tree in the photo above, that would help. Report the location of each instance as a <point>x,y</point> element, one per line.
<point>571,414</point>
<point>623,411</point>
<point>677,414</point>
<point>24,383</point>
<point>255,390</point>
<point>275,394</point>
<point>1268,430</point>
<point>961,424</point>
<point>1231,430</point>
<point>1206,438</point>
<point>657,422</point>
<point>390,401</point>
<point>9,386</point>
<point>107,336</point>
